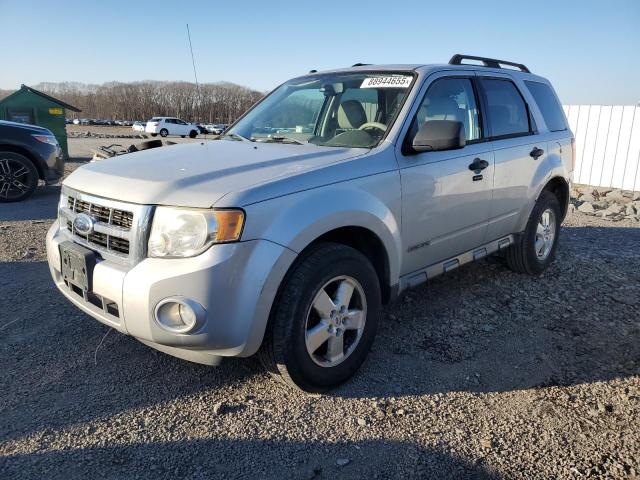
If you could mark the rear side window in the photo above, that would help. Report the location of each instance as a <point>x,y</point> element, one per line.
<point>548,105</point>
<point>507,111</point>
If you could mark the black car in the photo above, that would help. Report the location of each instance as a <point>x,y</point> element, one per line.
<point>28,153</point>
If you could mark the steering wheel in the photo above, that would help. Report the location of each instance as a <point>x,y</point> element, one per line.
<point>377,125</point>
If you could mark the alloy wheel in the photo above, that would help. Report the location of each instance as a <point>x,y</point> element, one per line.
<point>335,321</point>
<point>545,234</point>
<point>14,178</point>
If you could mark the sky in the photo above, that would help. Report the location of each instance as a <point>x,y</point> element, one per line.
<point>590,50</point>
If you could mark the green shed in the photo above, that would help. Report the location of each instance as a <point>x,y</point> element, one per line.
<point>28,105</point>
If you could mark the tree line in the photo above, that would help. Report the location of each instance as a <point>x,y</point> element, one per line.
<point>211,103</point>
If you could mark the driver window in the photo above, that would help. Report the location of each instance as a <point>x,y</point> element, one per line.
<point>451,99</point>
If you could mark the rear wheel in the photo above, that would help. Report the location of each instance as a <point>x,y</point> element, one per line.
<point>325,319</point>
<point>536,247</point>
<point>164,132</point>
<point>18,177</point>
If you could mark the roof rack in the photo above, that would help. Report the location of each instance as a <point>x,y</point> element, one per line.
<point>487,62</point>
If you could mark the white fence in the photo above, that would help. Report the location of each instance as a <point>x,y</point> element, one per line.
<point>607,145</point>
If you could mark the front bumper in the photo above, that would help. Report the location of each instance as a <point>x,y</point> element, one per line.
<point>235,283</point>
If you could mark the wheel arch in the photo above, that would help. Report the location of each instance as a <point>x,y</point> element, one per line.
<point>366,242</point>
<point>560,188</point>
<point>24,151</point>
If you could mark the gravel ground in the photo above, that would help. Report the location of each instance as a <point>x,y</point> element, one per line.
<point>482,373</point>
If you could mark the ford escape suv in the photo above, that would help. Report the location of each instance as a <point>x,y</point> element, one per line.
<point>331,196</point>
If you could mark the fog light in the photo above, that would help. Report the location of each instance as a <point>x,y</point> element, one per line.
<point>179,315</point>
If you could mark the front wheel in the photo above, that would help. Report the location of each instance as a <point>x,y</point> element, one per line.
<point>324,320</point>
<point>193,134</point>
<point>18,177</point>
<point>536,247</point>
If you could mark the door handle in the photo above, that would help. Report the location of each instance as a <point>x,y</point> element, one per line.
<point>478,165</point>
<point>536,153</point>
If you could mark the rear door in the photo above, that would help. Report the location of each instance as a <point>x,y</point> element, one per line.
<point>556,130</point>
<point>445,205</point>
<point>515,142</point>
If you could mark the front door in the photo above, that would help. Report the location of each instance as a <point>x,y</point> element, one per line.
<point>445,203</point>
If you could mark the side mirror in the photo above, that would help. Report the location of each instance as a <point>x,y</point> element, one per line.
<point>437,135</point>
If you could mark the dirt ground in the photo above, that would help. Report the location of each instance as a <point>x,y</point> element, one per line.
<point>481,373</point>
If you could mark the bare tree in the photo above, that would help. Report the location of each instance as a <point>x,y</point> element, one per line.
<point>217,102</point>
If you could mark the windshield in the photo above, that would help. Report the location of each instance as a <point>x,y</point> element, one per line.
<point>340,110</point>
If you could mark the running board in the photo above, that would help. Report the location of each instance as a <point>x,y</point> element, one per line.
<point>421,276</point>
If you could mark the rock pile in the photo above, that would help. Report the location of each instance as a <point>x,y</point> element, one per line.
<point>89,134</point>
<point>608,203</point>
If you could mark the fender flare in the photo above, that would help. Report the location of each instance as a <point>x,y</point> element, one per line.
<point>548,170</point>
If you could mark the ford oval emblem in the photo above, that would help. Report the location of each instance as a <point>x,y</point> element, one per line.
<point>83,224</point>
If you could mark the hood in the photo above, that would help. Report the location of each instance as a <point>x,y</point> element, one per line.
<point>199,174</point>
<point>26,126</point>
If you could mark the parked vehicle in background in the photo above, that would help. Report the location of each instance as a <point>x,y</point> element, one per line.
<point>329,198</point>
<point>202,129</point>
<point>139,126</point>
<point>76,121</point>
<point>216,128</point>
<point>165,126</point>
<point>28,153</point>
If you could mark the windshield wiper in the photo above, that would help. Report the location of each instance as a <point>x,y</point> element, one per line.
<point>279,139</point>
<point>235,136</point>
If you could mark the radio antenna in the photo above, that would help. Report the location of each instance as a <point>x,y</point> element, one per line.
<point>195,74</point>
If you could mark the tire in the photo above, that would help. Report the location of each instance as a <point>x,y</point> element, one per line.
<point>154,134</point>
<point>524,256</point>
<point>18,177</point>
<point>285,350</point>
<point>182,136</point>
<point>193,134</point>
<point>164,132</point>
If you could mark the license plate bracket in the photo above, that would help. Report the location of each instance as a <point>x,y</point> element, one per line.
<point>77,264</point>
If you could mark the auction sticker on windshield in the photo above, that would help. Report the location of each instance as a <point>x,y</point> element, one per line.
<point>386,82</point>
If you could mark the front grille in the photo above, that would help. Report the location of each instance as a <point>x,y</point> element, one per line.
<point>110,216</point>
<point>119,230</point>
<point>116,244</point>
<point>107,306</point>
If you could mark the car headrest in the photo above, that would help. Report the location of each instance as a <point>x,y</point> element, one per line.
<point>351,114</point>
<point>442,108</point>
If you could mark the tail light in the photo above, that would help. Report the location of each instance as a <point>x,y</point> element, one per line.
<point>573,153</point>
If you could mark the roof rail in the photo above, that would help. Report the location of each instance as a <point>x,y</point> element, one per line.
<point>487,62</point>
<point>360,64</point>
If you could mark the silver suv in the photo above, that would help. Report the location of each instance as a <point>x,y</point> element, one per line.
<point>326,200</point>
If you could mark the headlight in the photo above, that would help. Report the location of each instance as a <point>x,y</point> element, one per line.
<point>186,232</point>
<point>50,139</point>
